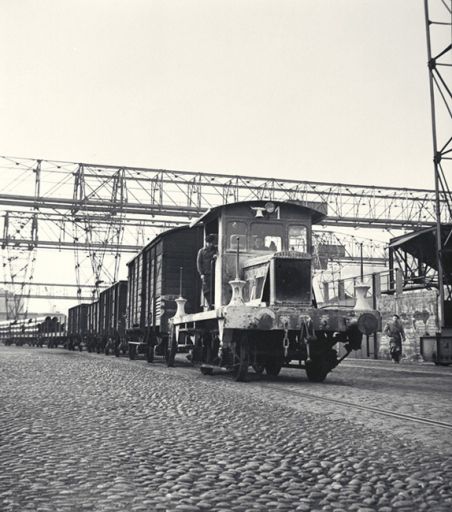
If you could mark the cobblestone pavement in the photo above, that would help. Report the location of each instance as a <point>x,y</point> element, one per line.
<point>85,432</point>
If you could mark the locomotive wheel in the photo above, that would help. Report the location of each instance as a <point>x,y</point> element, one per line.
<point>272,368</point>
<point>316,370</point>
<point>241,359</point>
<point>132,352</point>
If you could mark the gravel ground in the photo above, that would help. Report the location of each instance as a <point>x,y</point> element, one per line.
<point>83,432</point>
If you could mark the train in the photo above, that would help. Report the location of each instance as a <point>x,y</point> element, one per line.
<point>261,314</point>
<point>50,331</point>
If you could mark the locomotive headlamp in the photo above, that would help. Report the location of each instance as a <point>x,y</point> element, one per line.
<point>269,207</point>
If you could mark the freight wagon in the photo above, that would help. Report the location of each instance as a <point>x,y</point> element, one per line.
<point>112,318</point>
<point>154,282</point>
<point>34,331</point>
<point>77,326</point>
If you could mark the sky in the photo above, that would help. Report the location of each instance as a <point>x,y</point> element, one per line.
<point>324,90</point>
<point>328,90</point>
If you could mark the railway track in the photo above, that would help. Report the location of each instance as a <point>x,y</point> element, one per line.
<point>185,370</point>
<point>344,403</point>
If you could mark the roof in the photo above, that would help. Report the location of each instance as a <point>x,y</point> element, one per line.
<point>422,244</point>
<point>157,238</point>
<point>318,210</point>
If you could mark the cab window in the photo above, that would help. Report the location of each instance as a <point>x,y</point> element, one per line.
<point>265,237</point>
<point>298,238</point>
<point>236,231</point>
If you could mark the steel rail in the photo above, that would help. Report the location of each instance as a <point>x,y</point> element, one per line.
<point>343,403</point>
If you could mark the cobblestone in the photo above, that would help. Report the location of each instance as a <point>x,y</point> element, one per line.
<point>82,432</point>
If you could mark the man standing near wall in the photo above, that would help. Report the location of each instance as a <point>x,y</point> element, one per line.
<point>394,330</point>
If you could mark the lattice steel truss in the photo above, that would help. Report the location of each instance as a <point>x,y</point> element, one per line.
<point>100,211</point>
<point>171,195</point>
<point>18,260</point>
<point>438,17</point>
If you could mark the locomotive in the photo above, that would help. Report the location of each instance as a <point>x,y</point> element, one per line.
<point>264,314</point>
<point>261,313</point>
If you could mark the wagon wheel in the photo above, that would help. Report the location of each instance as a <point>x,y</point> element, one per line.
<point>171,349</point>
<point>258,368</point>
<point>273,367</point>
<point>241,358</point>
<point>316,370</point>
<point>207,352</point>
<point>150,352</point>
<point>132,352</point>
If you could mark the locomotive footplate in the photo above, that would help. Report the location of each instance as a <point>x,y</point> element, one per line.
<point>273,318</point>
<point>290,318</point>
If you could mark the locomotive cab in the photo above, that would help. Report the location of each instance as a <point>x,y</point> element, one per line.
<point>268,245</point>
<point>263,312</point>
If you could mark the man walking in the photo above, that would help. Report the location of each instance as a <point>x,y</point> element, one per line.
<point>396,335</point>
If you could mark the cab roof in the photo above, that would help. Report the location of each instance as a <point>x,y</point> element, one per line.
<point>317,210</point>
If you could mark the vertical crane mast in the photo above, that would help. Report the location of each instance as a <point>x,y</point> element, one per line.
<point>438,19</point>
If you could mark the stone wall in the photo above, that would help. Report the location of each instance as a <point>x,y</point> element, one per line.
<point>418,311</point>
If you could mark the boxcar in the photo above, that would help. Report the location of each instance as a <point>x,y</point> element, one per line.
<point>112,318</point>
<point>77,328</point>
<point>162,271</point>
<point>92,330</point>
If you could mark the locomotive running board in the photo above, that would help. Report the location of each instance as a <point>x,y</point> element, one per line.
<point>212,314</point>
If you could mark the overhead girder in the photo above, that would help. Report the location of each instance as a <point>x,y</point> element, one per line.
<point>145,211</point>
<point>106,210</point>
<point>188,194</point>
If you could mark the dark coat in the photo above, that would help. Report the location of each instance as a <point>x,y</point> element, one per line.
<point>204,259</point>
<point>395,330</point>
